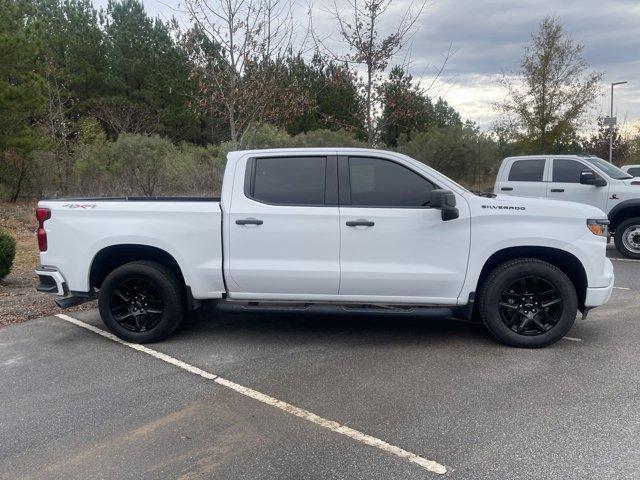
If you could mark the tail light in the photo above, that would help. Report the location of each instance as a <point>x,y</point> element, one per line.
<point>42,214</point>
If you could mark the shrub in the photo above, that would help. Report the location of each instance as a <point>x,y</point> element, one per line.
<point>7,253</point>
<point>196,171</point>
<point>265,136</point>
<point>142,162</point>
<point>463,154</point>
<point>327,138</point>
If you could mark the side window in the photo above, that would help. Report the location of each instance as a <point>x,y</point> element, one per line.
<point>567,171</point>
<point>527,171</point>
<point>289,180</point>
<point>634,171</point>
<point>383,183</point>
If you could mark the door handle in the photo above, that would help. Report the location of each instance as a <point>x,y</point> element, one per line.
<point>506,189</point>
<point>557,190</point>
<point>360,223</point>
<point>249,221</point>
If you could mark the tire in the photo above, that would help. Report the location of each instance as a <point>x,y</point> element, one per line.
<point>142,302</point>
<point>535,315</point>
<point>627,238</point>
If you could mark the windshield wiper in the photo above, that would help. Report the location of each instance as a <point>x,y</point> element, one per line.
<point>486,194</point>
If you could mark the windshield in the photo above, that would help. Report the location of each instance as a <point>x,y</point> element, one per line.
<point>608,168</point>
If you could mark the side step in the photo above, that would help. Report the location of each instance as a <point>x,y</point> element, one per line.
<point>332,309</point>
<point>73,300</point>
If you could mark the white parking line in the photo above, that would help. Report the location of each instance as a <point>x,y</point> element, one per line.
<point>623,259</point>
<point>429,465</point>
<point>573,339</point>
<point>622,288</point>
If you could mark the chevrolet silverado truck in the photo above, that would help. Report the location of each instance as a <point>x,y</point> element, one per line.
<point>583,179</point>
<point>348,230</point>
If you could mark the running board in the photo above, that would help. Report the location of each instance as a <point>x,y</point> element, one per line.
<point>333,309</point>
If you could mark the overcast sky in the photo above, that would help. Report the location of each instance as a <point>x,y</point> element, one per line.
<point>488,36</point>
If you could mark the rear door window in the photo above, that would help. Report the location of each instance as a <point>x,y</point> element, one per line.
<point>527,170</point>
<point>289,180</point>
<point>634,171</point>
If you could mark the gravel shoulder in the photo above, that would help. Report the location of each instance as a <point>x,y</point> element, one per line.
<point>19,301</point>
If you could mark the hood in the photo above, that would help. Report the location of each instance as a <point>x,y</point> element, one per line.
<point>539,206</point>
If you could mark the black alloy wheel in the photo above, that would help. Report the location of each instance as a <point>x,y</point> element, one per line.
<point>530,306</point>
<point>136,305</point>
<point>142,301</point>
<point>528,302</point>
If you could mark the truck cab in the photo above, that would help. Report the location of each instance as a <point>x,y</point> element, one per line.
<point>582,179</point>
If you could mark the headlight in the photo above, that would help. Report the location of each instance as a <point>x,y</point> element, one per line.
<point>598,226</point>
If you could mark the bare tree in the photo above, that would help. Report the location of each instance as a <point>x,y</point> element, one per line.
<point>547,98</point>
<point>120,117</point>
<point>55,123</point>
<point>359,29</point>
<point>237,47</point>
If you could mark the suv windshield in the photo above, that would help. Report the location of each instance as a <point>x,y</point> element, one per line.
<point>608,168</point>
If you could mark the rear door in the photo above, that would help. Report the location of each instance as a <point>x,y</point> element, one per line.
<point>394,248</point>
<point>565,184</point>
<point>284,228</point>
<point>524,178</point>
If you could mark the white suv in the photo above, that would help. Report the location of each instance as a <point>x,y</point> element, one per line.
<point>582,179</point>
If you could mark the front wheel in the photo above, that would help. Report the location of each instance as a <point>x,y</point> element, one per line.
<point>627,238</point>
<point>141,302</point>
<point>528,303</point>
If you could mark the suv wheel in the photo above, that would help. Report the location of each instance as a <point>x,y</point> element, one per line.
<point>141,302</point>
<point>528,303</point>
<point>627,238</point>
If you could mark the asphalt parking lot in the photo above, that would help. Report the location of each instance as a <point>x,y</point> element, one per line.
<point>75,404</point>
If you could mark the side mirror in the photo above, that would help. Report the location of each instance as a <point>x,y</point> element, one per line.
<point>588,177</point>
<point>445,201</point>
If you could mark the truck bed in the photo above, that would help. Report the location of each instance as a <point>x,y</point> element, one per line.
<point>134,199</point>
<point>186,228</point>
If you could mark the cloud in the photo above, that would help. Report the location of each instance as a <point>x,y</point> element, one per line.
<point>489,36</point>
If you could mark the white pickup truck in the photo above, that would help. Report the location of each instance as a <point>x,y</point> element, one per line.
<point>583,179</point>
<point>329,229</point>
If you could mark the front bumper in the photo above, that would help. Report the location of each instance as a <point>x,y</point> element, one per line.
<point>597,296</point>
<point>50,280</point>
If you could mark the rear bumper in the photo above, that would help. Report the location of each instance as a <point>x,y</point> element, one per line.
<point>50,280</point>
<point>597,296</point>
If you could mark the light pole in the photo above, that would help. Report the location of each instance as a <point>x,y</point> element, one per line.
<point>612,122</point>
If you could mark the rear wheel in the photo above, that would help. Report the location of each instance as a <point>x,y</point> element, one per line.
<point>627,238</point>
<point>141,302</point>
<point>528,303</point>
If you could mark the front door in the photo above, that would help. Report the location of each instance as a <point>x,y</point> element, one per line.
<point>284,229</point>
<point>565,184</point>
<point>392,245</point>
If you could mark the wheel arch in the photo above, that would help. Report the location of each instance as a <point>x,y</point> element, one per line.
<point>623,211</point>
<point>109,258</point>
<point>566,261</point>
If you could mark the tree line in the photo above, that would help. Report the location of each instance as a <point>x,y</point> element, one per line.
<point>112,101</point>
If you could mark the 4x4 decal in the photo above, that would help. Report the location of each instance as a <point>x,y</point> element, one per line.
<point>79,205</point>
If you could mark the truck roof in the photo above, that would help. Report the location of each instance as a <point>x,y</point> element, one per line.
<point>326,150</point>
<point>550,155</point>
